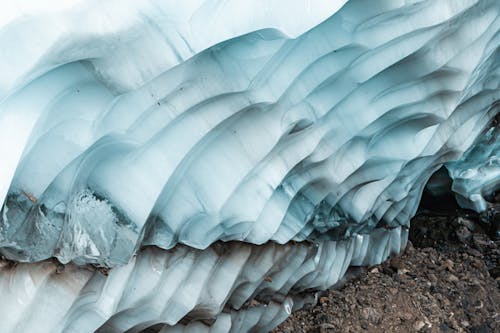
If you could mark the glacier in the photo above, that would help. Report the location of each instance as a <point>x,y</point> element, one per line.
<point>476,175</point>
<point>198,166</point>
<point>242,287</point>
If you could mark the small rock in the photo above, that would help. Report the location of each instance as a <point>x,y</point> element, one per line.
<point>418,325</point>
<point>465,323</point>
<point>371,315</point>
<point>325,327</point>
<point>477,264</point>
<point>60,268</point>
<point>409,248</point>
<point>495,272</point>
<point>448,264</point>
<point>406,316</point>
<point>465,223</point>
<point>403,271</point>
<point>396,263</point>
<point>474,253</point>
<point>443,327</point>
<point>480,241</point>
<point>432,266</point>
<point>463,234</point>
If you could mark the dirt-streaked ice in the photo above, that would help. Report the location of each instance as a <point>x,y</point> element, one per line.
<point>262,147</point>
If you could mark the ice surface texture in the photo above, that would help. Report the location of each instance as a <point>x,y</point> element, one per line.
<point>477,174</point>
<point>183,124</point>
<point>165,287</point>
<point>118,137</point>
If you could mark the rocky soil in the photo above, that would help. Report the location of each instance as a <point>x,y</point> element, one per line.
<point>447,280</point>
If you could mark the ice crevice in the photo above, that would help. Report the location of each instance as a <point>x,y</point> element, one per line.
<point>202,166</point>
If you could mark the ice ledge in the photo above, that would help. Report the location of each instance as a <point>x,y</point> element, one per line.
<point>183,284</point>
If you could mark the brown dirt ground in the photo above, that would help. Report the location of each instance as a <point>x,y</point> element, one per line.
<point>447,280</point>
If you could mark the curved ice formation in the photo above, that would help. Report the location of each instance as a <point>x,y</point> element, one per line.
<point>261,137</point>
<point>262,154</point>
<point>476,174</point>
<point>183,286</point>
<point>129,42</point>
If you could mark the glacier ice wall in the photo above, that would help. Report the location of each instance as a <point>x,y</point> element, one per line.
<point>260,137</point>
<point>476,175</point>
<point>262,155</point>
<point>129,42</point>
<point>241,286</point>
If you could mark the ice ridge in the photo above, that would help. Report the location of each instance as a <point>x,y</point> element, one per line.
<point>261,137</point>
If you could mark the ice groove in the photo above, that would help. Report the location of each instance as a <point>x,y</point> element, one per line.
<point>184,285</point>
<point>179,149</point>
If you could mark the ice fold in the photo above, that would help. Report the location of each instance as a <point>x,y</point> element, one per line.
<point>184,288</point>
<point>261,137</point>
<point>476,175</point>
<point>216,161</point>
